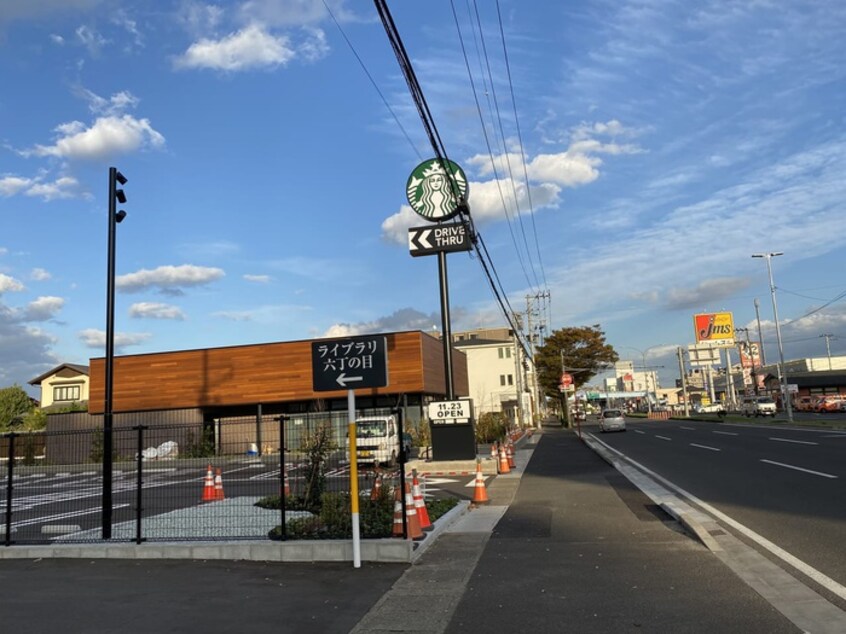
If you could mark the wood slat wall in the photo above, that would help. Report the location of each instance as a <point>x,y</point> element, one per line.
<point>261,373</point>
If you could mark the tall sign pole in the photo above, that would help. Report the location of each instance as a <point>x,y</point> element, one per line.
<point>349,364</point>
<point>437,191</point>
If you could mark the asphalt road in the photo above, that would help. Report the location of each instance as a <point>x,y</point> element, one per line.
<point>786,484</point>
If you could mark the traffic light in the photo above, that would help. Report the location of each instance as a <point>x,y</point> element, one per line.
<point>118,195</point>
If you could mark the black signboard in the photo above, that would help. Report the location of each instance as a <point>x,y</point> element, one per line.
<point>349,364</point>
<point>438,238</point>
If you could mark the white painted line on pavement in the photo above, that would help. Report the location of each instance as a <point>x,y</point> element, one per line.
<point>639,431</point>
<point>790,466</point>
<point>727,433</point>
<point>687,428</point>
<point>827,582</point>
<point>798,442</point>
<point>662,437</point>
<point>693,444</point>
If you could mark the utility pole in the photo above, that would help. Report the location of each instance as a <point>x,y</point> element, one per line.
<point>828,348</point>
<point>683,381</point>
<point>760,336</point>
<point>518,370</point>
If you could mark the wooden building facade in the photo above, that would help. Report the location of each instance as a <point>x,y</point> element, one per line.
<point>231,381</point>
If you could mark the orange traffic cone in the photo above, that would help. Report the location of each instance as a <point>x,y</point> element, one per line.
<point>419,502</point>
<point>208,487</point>
<point>412,520</point>
<point>480,493</point>
<point>396,529</point>
<point>509,451</point>
<point>503,460</point>
<point>495,455</point>
<point>218,486</point>
<point>376,491</point>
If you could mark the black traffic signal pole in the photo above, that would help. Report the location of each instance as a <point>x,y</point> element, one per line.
<point>115,195</point>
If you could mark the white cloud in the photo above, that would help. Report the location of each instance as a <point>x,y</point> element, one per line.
<point>62,187</point>
<point>42,309</point>
<point>260,279</point>
<point>94,338</point>
<point>107,136</point>
<point>91,39</point>
<point>705,293</point>
<point>251,47</point>
<point>11,185</point>
<point>153,310</point>
<point>40,275</point>
<point>114,105</point>
<point>8,284</point>
<point>168,278</point>
<point>401,320</point>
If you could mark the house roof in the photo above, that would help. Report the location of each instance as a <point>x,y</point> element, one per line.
<point>82,369</point>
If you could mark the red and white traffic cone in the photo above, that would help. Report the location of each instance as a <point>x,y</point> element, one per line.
<point>208,486</point>
<point>480,493</point>
<point>218,485</point>
<point>419,502</point>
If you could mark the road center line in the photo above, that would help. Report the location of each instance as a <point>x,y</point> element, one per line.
<point>687,428</point>
<point>693,444</point>
<point>798,442</point>
<point>727,433</point>
<point>662,437</point>
<point>789,466</point>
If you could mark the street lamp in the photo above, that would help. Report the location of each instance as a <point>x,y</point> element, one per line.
<point>782,375</point>
<point>115,196</point>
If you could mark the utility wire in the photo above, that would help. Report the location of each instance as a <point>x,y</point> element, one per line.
<point>373,82</point>
<point>437,145</point>
<point>520,141</point>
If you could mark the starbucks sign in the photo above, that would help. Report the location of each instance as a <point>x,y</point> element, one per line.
<point>430,193</point>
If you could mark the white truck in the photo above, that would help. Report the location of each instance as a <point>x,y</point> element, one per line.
<point>377,440</point>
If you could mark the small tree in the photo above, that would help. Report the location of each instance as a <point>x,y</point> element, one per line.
<point>491,426</point>
<point>317,447</point>
<point>14,403</point>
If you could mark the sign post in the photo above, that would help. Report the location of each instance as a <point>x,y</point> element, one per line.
<point>437,190</point>
<point>355,362</point>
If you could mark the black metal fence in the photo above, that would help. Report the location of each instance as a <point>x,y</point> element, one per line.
<point>221,479</point>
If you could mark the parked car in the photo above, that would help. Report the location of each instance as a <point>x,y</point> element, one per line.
<point>712,408</point>
<point>612,420</point>
<point>803,403</point>
<point>758,406</point>
<point>829,403</point>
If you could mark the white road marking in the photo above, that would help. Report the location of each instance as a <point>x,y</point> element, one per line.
<point>727,433</point>
<point>61,516</point>
<point>662,437</point>
<point>790,466</point>
<point>821,578</point>
<point>797,442</point>
<point>639,431</point>
<point>693,444</point>
<point>687,428</point>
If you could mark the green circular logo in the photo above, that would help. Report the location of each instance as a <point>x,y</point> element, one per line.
<point>430,192</point>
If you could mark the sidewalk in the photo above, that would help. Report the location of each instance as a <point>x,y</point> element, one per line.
<point>567,544</point>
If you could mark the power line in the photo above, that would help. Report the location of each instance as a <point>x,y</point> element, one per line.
<point>373,82</point>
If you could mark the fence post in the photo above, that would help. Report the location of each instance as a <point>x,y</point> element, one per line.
<point>10,473</point>
<point>139,481</point>
<point>282,501</point>
<point>258,428</point>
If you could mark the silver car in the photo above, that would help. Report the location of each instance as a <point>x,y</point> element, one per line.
<point>612,420</point>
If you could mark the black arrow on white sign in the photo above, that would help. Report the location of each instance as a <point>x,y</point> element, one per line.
<point>440,238</point>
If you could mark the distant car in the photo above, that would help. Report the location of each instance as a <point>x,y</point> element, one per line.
<point>803,403</point>
<point>713,408</point>
<point>829,403</point>
<point>612,420</point>
<point>579,415</point>
<point>758,406</point>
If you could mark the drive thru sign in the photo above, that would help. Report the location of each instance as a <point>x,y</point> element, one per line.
<point>443,237</point>
<point>349,364</point>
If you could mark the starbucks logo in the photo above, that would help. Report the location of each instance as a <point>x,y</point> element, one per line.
<point>430,193</point>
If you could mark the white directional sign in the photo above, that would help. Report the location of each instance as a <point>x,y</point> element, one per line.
<point>438,238</point>
<point>349,364</point>
<point>450,411</point>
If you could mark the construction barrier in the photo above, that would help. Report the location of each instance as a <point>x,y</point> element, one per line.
<point>659,415</point>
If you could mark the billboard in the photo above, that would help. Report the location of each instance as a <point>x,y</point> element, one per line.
<point>716,329</point>
<point>750,356</point>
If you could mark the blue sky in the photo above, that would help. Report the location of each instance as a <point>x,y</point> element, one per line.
<point>656,146</point>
